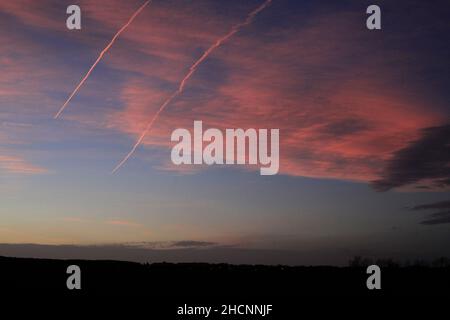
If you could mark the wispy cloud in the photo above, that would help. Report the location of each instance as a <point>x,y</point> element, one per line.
<point>441,216</point>
<point>73,219</point>
<point>18,165</point>
<point>325,114</point>
<point>124,223</point>
<point>192,244</point>
<point>435,205</point>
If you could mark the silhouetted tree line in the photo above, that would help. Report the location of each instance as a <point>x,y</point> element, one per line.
<point>358,262</point>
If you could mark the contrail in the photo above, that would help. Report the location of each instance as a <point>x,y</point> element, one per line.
<point>100,57</point>
<point>192,69</point>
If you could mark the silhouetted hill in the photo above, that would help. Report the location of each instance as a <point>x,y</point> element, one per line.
<point>197,279</point>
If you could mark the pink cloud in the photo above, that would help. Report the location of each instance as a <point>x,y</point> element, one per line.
<point>14,164</point>
<point>123,223</point>
<point>34,13</point>
<point>340,123</point>
<point>339,107</point>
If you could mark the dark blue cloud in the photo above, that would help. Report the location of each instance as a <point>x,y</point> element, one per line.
<point>425,159</point>
<point>440,217</point>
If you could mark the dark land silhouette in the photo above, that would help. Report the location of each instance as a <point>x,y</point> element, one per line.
<point>102,277</point>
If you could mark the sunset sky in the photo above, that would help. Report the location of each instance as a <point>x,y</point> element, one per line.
<point>364,121</point>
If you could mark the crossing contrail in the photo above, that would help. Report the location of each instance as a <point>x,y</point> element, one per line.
<point>192,69</point>
<point>100,57</point>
